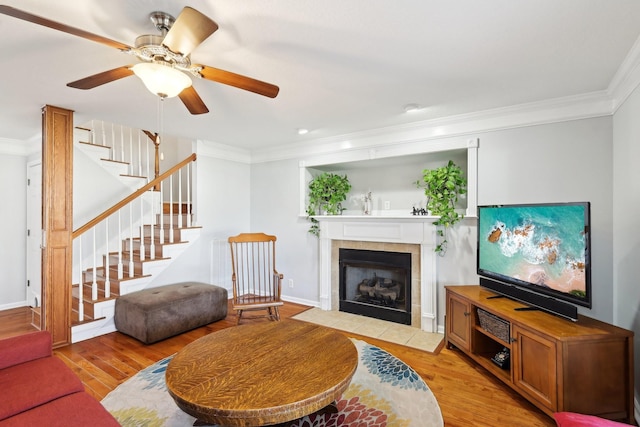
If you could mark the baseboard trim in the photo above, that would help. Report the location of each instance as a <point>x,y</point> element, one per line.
<point>301,301</point>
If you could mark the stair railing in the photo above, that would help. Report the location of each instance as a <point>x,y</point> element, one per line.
<point>119,226</point>
<point>138,148</point>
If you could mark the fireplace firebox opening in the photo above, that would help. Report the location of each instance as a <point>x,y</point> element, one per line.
<point>376,284</point>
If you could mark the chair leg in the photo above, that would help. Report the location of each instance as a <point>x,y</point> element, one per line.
<point>238,316</point>
<point>277,313</point>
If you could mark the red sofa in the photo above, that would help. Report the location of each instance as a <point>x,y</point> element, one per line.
<point>38,389</point>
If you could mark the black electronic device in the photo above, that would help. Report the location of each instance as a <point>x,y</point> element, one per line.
<point>502,358</point>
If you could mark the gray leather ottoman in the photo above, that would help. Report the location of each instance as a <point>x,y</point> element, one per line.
<point>154,314</point>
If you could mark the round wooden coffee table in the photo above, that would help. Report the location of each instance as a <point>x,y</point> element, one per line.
<point>261,374</point>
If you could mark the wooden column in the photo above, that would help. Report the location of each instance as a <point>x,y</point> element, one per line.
<point>57,221</point>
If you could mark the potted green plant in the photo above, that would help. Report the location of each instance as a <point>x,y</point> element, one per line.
<point>443,186</point>
<point>327,191</point>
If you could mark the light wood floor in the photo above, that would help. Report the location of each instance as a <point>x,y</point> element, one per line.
<point>467,395</point>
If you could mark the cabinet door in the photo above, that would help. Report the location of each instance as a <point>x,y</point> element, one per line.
<point>534,366</point>
<point>458,321</point>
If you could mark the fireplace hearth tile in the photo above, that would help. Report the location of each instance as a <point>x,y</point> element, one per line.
<point>373,328</point>
<point>402,335</point>
<point>425,340</point>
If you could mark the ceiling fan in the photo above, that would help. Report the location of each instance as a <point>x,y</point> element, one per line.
<point>166,57</point>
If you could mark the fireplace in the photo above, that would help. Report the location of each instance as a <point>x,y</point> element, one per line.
<point>414,235</point>
<point>375,284</point>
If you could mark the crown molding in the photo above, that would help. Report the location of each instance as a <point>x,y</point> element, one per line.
<point>627,78</point>
<point>576,107</point>
<point>222,151</point>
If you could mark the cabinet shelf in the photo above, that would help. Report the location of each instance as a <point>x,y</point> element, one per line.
<point>479,328</point>
<point>484,359</point>
<point>554,363</point>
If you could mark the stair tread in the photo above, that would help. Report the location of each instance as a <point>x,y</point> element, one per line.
<point>86,320</point>
<point>95,145</point>
<point>157,242</point>
<point>113,161</point>
<point>125,256</point>
<point>100,276</point>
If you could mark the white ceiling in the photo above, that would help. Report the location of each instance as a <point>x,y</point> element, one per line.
<point>342,66</point>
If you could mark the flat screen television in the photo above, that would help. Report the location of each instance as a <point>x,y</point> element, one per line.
<point>539,254</point>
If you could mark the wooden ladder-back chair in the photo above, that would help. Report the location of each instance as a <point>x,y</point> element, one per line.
<point>256,283</point>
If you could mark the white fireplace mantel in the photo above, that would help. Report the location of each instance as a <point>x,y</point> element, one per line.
<point>383,229</point>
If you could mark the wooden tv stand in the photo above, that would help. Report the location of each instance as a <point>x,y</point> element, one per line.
<point>556,364</point>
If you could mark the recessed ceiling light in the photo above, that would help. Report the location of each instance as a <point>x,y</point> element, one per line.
<point>411,108</point>
<point>302,131</point>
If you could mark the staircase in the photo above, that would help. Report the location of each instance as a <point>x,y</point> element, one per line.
<point>125,247</point>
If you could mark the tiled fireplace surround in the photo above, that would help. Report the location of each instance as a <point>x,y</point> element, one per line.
<point>414,235</point>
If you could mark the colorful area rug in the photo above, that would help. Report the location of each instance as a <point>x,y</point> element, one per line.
<point>384,392</point>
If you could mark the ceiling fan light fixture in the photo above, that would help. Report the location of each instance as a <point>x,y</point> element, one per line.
<point>162,80</point>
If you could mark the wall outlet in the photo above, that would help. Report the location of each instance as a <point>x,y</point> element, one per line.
<point>291,283</point>
<point>387,204</point>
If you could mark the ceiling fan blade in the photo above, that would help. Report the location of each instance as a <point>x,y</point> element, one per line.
<point>239,81</point>
<point>192,101</point>
<point>26,16</point>
<point>190,29</point>
<point>102,78</point>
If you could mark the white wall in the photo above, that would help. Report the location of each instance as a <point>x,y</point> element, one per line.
<point>561,162</point>
<point>569,161</point>
<point>626,232</point>
<point>13,215</point>
<point>94,189</point>
<point>223,191</point>
<point>275,210</point>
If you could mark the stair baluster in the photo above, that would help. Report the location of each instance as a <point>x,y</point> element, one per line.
<point>120,265</point>
<point>152,245</point>
<point>180,197</point>
<point>107,282</point>
<point>131,265</point>
<point>113,142</point>
<point>161,221</point>
<point>94,284</point>
<point>104,136</point>
<point>131,168</point>
<point>189,195</point>
<point>141,249</point>
<point>122,150</point>
<point>139,156</point>
<point>148,165</point>
<point>81,283</point>
<point>171,208</point>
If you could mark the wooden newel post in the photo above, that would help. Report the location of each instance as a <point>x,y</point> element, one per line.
<point>155,138</point>
<point>57,221</point>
